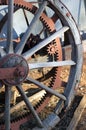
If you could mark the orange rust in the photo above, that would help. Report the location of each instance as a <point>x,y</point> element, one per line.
<point>49,23</point>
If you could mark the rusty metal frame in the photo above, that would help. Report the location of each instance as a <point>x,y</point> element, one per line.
<point>74,74</point>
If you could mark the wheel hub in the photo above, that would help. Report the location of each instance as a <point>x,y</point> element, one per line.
<point>16,68</point>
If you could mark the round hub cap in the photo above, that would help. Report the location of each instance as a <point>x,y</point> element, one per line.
<point>21,69</point>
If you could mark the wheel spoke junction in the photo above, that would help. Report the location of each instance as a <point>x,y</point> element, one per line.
<point>34,64</point>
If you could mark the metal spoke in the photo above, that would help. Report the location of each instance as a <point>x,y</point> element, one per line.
<point>29,105</point>
<point>20,46</point>
<point>7,107</point>
<point>45,42</point>
<point>51,64</point>
<point>53,92</point>
<point>27,22</point>
<point>10,27</point>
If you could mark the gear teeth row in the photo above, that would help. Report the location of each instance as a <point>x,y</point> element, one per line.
<point>48,23</point>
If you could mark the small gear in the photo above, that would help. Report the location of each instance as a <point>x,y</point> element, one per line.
<point>54,72</point>
<point>52,49</point>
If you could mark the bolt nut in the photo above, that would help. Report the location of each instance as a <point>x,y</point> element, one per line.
<point>21,73</point>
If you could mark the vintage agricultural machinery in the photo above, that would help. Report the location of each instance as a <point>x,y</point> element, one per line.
<point>35,37</point>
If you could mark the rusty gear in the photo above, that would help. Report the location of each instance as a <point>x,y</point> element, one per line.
<point>52,49</point>
<point>49,24</point>
<point>60,12</point>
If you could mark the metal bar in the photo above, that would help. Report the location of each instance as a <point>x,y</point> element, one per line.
<point>20,46</point>
<point>49,122</point>
<point>29,105</point>
<point>51,64</point>
<point>45,42</point>
<point>53,92</point>
<point>34,98</point>
<point>7,107</point>
<point>8,73</point>
<point>10,27</point>
<point>27,22</point>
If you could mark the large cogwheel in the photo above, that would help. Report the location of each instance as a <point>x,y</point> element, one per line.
<point>39,33</point>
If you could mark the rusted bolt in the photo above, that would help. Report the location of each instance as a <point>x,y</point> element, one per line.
<point>21,73</point>
<point>68,14</point>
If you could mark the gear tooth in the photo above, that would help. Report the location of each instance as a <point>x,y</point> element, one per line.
<point>41,101</point>
<point>41,18</point>
<point>50,28</point>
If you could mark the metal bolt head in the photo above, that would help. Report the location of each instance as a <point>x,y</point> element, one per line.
<point>21,74</point>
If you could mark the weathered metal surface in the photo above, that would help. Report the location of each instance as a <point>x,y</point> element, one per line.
<point>51,25</point>
<point>14,69</point>
<point>78,10</point>
<point>74,7</point>
<point>50,28</point>
<point>49,123</point>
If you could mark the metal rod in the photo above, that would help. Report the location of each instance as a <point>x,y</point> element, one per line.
<point>7,107</point>
<point>20,46</point>
<point>10,27</point>
<point>33,98</point>
<point>29,105</point>
<point>44,42</point>
<point>51,64</point>
<point>27,22</point>
<point>47,88</point>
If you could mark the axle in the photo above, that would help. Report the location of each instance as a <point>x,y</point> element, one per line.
<point>13,69</point>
